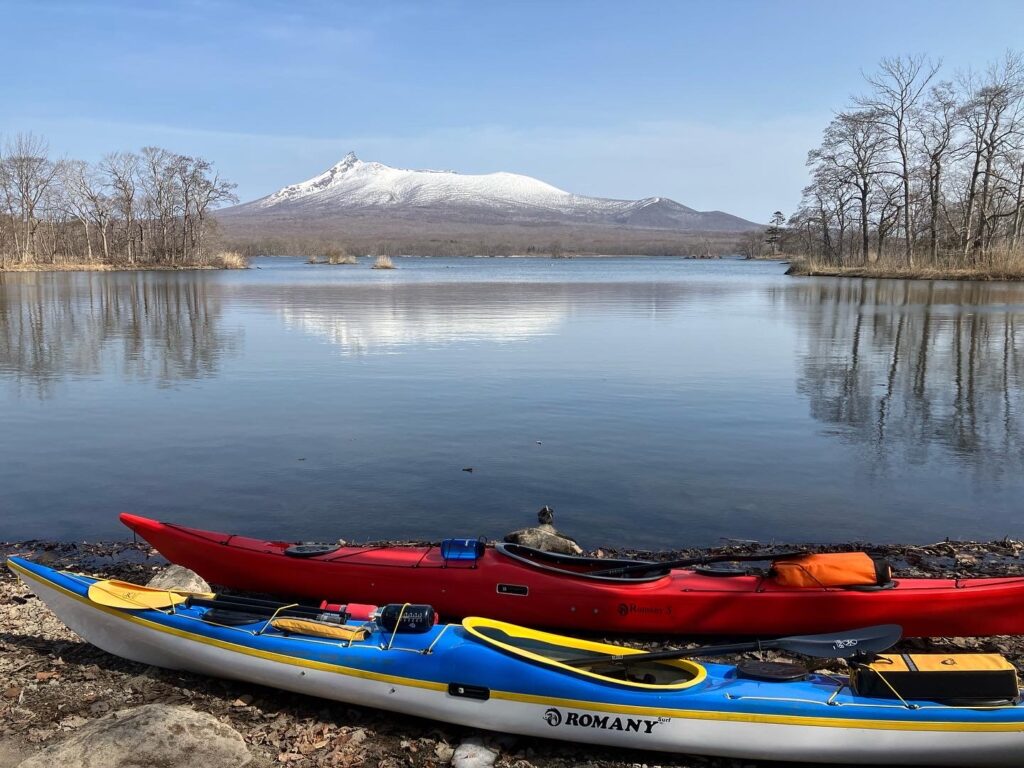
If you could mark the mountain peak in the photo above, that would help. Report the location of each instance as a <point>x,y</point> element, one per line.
<point>346,162</point>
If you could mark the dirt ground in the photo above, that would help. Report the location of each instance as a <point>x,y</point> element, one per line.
<point>52,683</point>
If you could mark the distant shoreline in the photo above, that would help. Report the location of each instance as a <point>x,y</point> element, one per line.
<point>543,256</point>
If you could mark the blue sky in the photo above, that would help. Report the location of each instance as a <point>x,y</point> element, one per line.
<point>712,104</point>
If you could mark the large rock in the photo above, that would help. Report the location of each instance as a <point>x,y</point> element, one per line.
<point>152,736</point>
<point>545,536</point>
<point>12,753</point>
<point>473,752</point>
<point>176,577</point>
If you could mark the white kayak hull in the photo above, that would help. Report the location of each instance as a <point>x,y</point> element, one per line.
<point>801,739</point>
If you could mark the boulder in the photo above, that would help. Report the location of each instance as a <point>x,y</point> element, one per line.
<point>11,753</point>
<point>545,536</point>
<point>176,577</point>
<point>474,753</point>
<point>154,735</point>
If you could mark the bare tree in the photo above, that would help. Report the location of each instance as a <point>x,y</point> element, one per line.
<point>936,125</point>
<point>121,170</point>
<point>751,244</point>
<point>6,206</point>
<point>75,199</point>
<point>895,92</point>
<point>855,147</point>
<point>161,205</point>
<point>888,204</point>
<point>827,200</point>
<point>993,114</point>
<point>210,192</point>
<point>29,174</point>
<point>1017,228</point>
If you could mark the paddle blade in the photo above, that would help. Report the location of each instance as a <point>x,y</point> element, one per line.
<point>842,645</point>
<point>133,597</point>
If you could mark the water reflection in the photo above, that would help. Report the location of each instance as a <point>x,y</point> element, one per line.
<point>654,402</point>
<point>388,318</point>
<point>385,320</point>
<point>910,367</point>
<point>158,327</point>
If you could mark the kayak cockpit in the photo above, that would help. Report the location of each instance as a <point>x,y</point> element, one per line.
<point>553,651</point>
<point>576,565</point>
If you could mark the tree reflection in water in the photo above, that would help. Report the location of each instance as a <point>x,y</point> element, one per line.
<point>148,326</point>
<point>908,367</point>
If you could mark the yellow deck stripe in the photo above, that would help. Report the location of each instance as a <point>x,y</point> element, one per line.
<point>622,709</point>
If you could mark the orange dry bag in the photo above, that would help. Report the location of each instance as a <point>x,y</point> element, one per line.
<point>839,569</point>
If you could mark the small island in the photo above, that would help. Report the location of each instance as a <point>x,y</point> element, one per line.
<point>334,256</point>
<point>918,177</point>
<point>145,210</point>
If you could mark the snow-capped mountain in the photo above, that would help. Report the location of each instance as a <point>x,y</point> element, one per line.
<point>358,190</point>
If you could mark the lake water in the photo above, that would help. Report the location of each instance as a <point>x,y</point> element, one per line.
<point>652,402</point>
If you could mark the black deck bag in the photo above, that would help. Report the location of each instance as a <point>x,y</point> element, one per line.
<point>968,678</point>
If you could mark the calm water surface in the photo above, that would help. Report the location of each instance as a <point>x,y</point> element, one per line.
<point>651,402</point>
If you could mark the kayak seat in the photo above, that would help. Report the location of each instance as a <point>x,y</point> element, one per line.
<point>311,549</point>
<point>577,565</point>
<point>714,570</point>
<point>552,650</point>
<point>771,671</point>
<point>232,618</point>
<point>872,587</point>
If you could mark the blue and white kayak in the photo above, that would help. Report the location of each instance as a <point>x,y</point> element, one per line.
<point>502,677</point>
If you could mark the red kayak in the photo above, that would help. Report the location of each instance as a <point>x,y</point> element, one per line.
<point>518,584</point>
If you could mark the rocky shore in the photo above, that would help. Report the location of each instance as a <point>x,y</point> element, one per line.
<point>59,693</point>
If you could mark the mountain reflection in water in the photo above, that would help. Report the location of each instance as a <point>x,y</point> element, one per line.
<point>374,319</point>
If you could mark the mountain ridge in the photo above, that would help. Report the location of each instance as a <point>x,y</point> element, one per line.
<point>355,185</point>
<point>360,199</point>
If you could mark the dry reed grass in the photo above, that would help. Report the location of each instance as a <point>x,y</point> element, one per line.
<point>60,267</point>
<point>1001,265</point>
<point>383,262</point>
<point>229,260</point>
<point>335,256</point>
<point>222,260</point>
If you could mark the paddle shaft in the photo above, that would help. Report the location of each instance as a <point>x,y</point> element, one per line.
<point>675,653</point>
<point>255,601</point>
<point>259,607</point>
<point>835,645</point>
